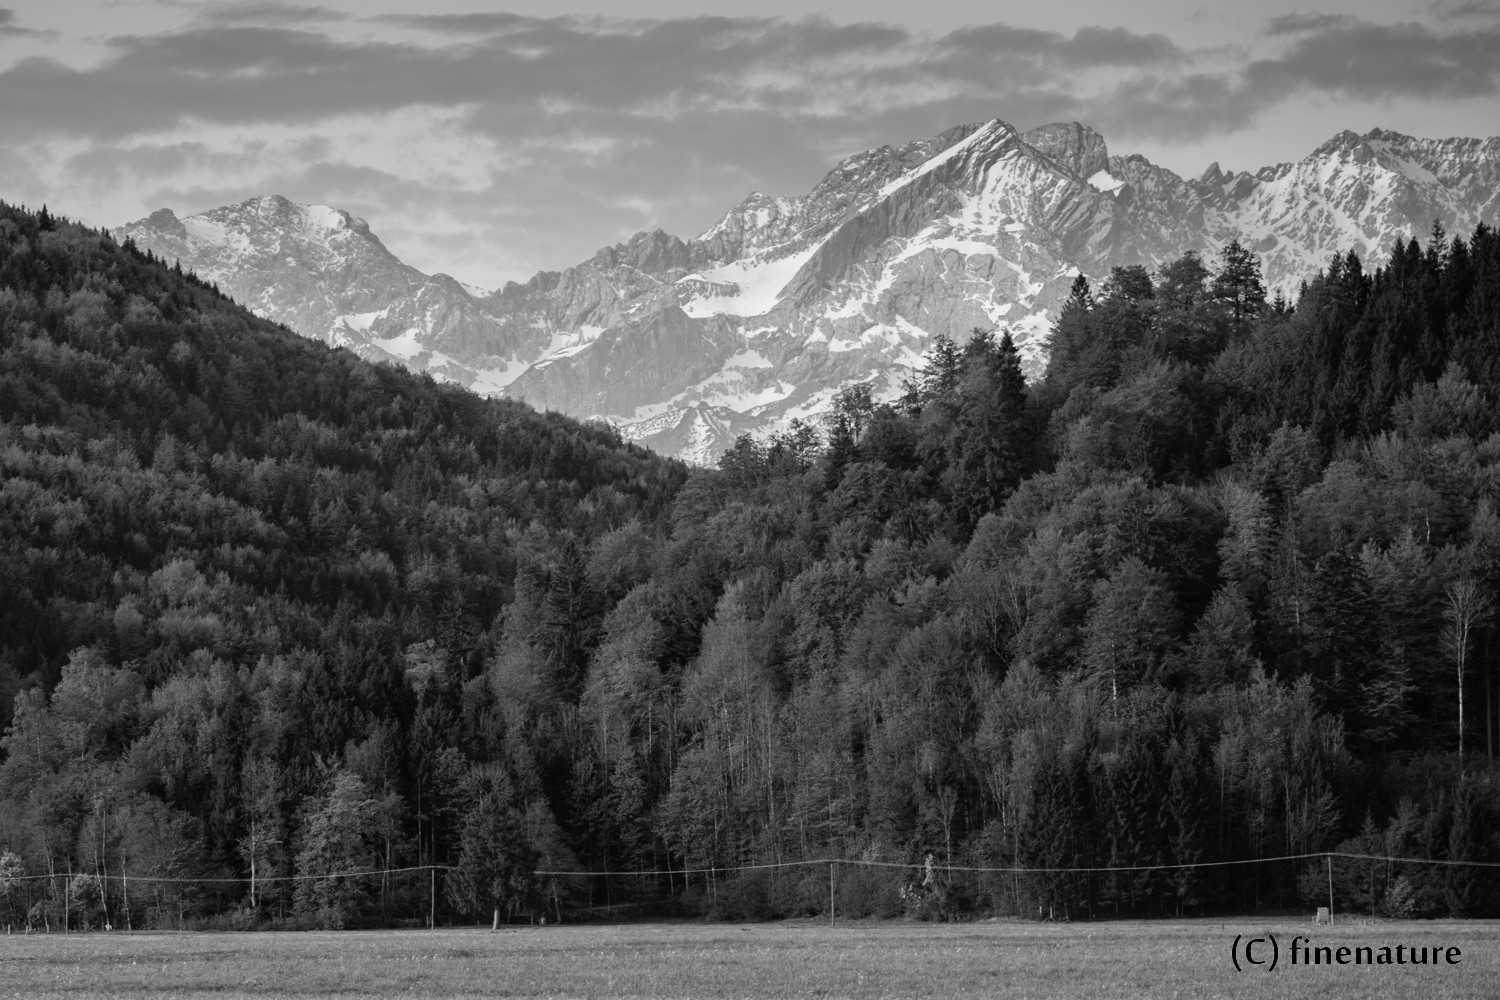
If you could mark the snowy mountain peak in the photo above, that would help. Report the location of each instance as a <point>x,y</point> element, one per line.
<point>312,219</point>
<point>755,221</point>
<point>1376,145</point>
<point>1344,141</point>
<point>685,344</point>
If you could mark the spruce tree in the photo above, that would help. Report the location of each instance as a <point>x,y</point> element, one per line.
<point>944,366</point>
<point>1012,382</point>
<point>1071,335</point>
<point>842,449</point>
<point>1237,286</point>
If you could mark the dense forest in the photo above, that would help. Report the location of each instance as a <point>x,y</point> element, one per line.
<point>1219,587</point>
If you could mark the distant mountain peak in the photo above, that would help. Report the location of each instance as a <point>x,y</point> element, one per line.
<point>764,316</point>
<point>1071,144</point>
<point>166,221</point>
<point>1344,139</point>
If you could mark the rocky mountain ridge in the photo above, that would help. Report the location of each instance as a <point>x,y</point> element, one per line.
<point>685,344</point>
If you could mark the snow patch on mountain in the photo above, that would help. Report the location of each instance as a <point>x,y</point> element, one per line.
<point>1104,181</point>
<point>359,321</point>
<point>404,345</point>
<point>748,359</point>
<point>975,138</point>
<point>758,283</point>
<point>492,381</point>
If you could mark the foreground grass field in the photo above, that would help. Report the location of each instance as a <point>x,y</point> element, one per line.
<point>712,961</point>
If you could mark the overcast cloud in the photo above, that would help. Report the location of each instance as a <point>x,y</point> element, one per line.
<point>491,145</point>
<point>10,29</point>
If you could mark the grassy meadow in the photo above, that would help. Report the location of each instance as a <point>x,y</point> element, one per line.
<point>712,961</point>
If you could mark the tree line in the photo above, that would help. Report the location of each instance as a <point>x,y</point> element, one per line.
<point>1218,587</point>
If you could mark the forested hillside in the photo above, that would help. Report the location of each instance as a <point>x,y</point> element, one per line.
<point>1220,587</point>
<point>243,573</point>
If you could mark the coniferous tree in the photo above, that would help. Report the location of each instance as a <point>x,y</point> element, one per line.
<point>987,446</point>
<point>1071,336</point>
<point>1237,285</point>
<point>843,448</point>
<point>944,367</point>
<point>496,865</point>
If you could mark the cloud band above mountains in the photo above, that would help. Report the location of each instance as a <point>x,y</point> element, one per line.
<point>531,127</point>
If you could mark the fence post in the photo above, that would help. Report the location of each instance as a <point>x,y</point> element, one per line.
<point>431,898</point>
<point>831,863</point>
<point>1329,859</point>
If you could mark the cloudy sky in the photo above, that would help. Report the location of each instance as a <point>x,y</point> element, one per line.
<point>492,141</point>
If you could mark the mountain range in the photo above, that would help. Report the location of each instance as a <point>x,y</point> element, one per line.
<point>763,318</point>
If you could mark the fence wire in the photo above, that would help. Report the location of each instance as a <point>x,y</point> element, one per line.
<point>717,870</point>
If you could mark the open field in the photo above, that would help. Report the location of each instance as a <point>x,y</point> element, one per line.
<point>712,961</point>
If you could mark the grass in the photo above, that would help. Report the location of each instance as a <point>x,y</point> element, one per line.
<point>1145,959</point>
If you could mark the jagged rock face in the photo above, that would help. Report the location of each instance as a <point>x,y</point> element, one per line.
<point>1075,146</point>
<point>758,221</point>
<point>1353,193</point>
<point>764,317</point>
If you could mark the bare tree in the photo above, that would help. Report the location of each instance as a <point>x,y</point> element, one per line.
<point>1469,607</point>
<point>254,847</point>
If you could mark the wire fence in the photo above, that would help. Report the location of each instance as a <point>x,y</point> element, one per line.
<point>227,879</point>
<point>413,895</point>
<point>975,869</point>
<point>716,870</point>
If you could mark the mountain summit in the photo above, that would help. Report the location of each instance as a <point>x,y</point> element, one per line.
<point>767,314</point>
